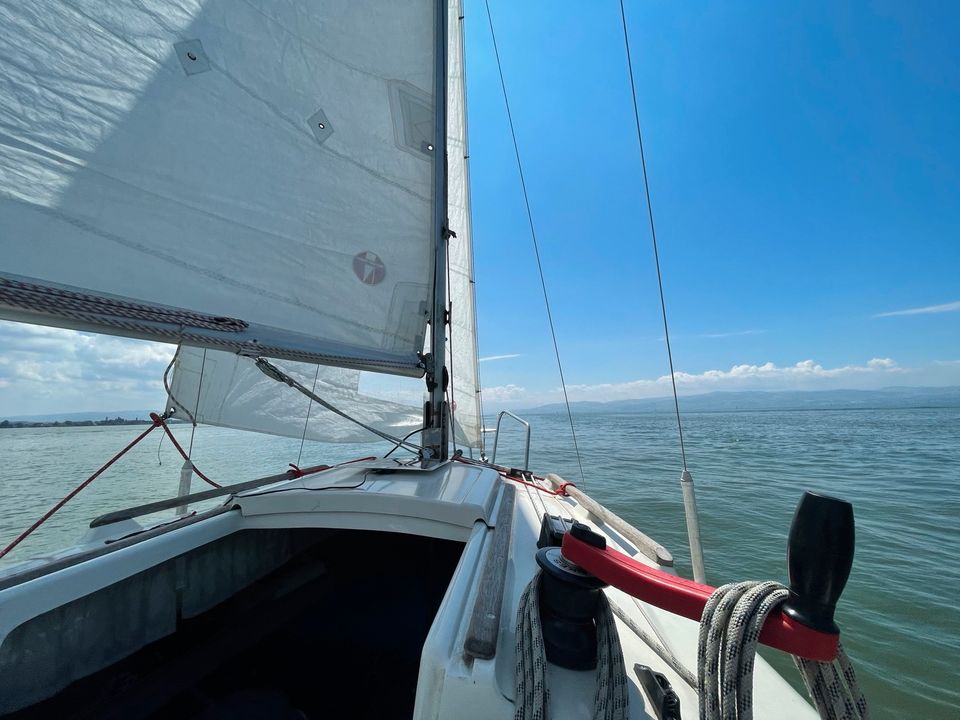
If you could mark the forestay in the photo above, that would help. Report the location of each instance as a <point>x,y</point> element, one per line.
<point>220,388</point>
<point>263,168</point>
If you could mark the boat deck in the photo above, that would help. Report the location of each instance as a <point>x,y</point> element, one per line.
<point>383,518</point>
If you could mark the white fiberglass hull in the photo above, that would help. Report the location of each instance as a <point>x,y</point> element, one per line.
<point>457,505</point>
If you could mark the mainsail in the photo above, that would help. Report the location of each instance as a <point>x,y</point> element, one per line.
<point>222,388</point>
<point>252,176</point>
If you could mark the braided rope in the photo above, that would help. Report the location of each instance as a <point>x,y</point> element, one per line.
<point>726,651</point>
<point>170,324</point>
<point>84,306</point>
<point>656,644</point>
<point>833,687</point>
<point>531,681</point>
<point>611,700</point>
<point>532,694</point>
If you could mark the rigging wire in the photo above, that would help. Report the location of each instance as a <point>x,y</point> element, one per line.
<point>653,231</point>
<point>275,373</point>
<point>196,408</point>
<point>533,235</point>
<point>306,422</point>
<point>400,442</point>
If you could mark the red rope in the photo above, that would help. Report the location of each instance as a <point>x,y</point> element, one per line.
<point>300,472</point>
<point>157,422</point>
<point>561,489</point>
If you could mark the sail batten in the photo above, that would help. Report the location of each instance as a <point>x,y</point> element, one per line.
<point>271,162</point>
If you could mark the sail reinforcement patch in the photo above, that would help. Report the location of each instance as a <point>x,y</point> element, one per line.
<point>320,126</point>
<point>192,57</point>
<point>413,118</point>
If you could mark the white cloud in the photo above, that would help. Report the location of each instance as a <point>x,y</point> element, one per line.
<point>928,310</point>
<point>47,370</point>
<point>804,375</point>
<point>490,358</point>
<point>504,394</point>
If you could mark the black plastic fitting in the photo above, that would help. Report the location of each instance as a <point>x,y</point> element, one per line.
<point>819,557</point>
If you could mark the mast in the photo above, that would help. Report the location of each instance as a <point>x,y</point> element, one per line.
<point>436,428</point>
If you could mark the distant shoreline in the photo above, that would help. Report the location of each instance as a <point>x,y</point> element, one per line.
<point>106,422</point>
<point>731,411</point>
<point>771,401</point>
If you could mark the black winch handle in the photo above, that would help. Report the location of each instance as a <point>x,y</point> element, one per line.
<point>820,553</point>
<point>819,558</point>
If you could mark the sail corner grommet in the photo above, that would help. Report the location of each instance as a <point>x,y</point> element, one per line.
<point>192,56</point>
<point>320,126</point>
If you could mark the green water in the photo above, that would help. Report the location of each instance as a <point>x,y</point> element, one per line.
<point>900,468</point>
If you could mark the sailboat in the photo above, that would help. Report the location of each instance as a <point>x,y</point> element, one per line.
<point>281,189</point>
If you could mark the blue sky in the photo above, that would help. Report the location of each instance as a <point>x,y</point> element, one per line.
<point>805,172</point>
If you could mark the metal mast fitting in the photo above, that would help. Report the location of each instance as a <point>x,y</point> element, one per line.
<point>435,420</point>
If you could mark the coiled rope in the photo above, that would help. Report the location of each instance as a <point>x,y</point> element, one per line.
<point>726,654</point>
<point>532,693</point>
<point>727,648</point>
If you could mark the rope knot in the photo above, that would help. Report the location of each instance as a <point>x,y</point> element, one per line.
<point>562,488</point>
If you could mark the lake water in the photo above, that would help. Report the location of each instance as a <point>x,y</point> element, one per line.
<point>900,468</point>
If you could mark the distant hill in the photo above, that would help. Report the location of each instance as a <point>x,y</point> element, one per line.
<point>80,416</point>
<point>887,398</point>
<point>19,424</point>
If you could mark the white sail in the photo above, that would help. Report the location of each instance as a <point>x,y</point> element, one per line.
<point>226,389</point>
<point>462,341</point>
<point>220,388</point>
<point>267,166</point>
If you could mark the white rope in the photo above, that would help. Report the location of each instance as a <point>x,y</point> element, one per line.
<point>532,694</point>
<point>833,687</point>
<point>656,643</point>
<point>531,683</point>
<point>726,651</point>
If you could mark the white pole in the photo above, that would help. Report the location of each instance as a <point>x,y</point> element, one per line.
<point>693,525</point>
<point>186,475</point>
